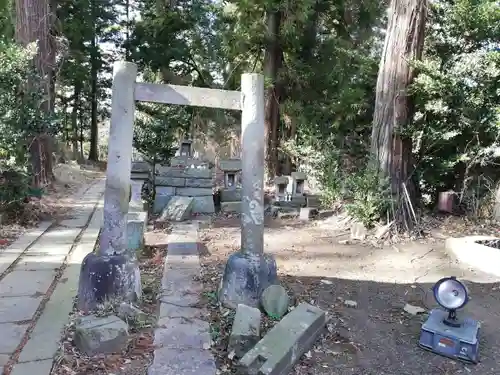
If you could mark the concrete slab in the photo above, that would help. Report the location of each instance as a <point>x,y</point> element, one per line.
<point>11,334</point>
<point>45,337</point>
<point>18,309</point>
<point>30,368</point>
<point>170,361</point>
<point>285,343</point>
<point>177,261</point>
<point>169,311</point>
<point>183,336</point>
<point>39,262</point>
<point>182,248</point>
<point>11,253</point>
<point>4,359</point>
<point>26,283</point>
<point>183,333</point>
<point>179,288</point>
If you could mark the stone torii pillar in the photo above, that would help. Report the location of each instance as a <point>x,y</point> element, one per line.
<point>113,271</point>
<point>249,271</point>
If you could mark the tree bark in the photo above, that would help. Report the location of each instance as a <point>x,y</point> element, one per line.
<point>74,118</point>
<point>33,24</point>
<point>272,65</point>
<point>94,69</point>
<point>94,128</point>
<point>393,105</point>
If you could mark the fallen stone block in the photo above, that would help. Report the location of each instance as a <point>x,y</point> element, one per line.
<point>245,332</point>
<point>136,227</point>
<point>177,209</point>
<point>285,343</point>
<point>231,207</point>
<point>96,335</point>
<point>275,301</point>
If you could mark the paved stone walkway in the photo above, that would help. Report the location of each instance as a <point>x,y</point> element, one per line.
<point>38,281</point>
<point>182,339</point>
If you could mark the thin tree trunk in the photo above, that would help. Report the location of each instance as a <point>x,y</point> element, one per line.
<point>273,63</point>
<point>94,130</point>
<point>393,105</point>
<point>74,118</point>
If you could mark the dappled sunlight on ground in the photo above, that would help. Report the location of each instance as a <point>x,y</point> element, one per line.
<point>376,337</point>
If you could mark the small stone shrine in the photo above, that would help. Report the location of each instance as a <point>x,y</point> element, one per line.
<point>230,194</point>
<point>185,177</point>
<point>137,217</point>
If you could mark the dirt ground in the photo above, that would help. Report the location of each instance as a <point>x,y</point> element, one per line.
<point>377,337</point>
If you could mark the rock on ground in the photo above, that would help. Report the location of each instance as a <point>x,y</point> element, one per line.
<point>245,332</point>
<point>275,301</point>
<point>100,335</point>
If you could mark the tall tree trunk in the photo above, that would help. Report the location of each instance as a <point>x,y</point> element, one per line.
<point>94,69</point>
<point>393,105</point>
<point>33,24</point>
<point>272,65</point>
<point>74,118</point>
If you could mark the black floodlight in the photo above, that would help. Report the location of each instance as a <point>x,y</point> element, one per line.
<point>443,332</point>
<point>452,295</point>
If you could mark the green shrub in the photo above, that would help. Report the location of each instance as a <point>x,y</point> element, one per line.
<point>367,197</point>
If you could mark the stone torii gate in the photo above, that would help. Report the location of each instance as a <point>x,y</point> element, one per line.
<point>112,271</point>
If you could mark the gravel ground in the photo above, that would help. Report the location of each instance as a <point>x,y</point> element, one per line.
<point>376,337</point>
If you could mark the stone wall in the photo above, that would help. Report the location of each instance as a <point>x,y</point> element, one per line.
<point>185,177</point>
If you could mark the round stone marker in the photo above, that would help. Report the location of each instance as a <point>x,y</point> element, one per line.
<point>275,301</point>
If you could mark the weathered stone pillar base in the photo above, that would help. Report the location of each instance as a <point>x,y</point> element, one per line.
<point>245,278</point>
<point>108,278</point>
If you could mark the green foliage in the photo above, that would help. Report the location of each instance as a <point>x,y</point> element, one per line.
<point>368,198</point>
<point>14,188</point>
<point>457,97</point>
